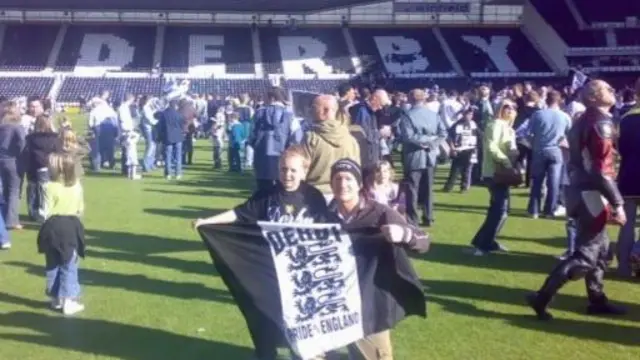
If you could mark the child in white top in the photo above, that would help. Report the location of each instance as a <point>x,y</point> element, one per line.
<point>384,190</point>
<point>130,141</point>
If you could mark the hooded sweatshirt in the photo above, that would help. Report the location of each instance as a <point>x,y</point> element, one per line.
<point>327,142</point>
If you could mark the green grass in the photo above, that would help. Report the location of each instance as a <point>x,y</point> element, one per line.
<point>152,293</point>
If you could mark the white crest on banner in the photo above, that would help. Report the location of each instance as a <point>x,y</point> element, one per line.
<point>119,53</point>
<point>319,285</point>
<point>299,52</point>
<point>401,54</point>
<point>496,50</point>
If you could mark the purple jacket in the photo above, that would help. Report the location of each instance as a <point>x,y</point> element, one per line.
<point>629,148</point>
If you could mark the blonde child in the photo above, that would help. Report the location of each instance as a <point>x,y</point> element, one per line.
<point>384,190</point>
<point>130,143</point>
<point>61,237</point>
<point>76,148</point>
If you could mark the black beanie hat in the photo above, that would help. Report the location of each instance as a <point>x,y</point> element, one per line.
<point>347,165</point>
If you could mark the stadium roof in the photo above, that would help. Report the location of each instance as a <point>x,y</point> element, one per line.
<point>197,5</point>
<point>182,5</point>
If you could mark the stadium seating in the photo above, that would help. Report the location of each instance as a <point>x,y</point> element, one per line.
<point>224,59</point>
<point>206,51</point>
<point>107,48</point>
<point>27,47</point>
<point>75,87</point>
<point>25,86</point>
<point>296,52</point>
<point>230,87</point>
<point>494,50</point>
<point>401,51</point>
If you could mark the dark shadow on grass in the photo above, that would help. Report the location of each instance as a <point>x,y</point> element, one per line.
<point>140,284</point>
<point>511,261</point>
<point>557,242</point>
<point>106,338</point>
<point>516,296</point>
<point>203,192</point>
<point>140,244</point>
<point>185,266</point>
<point>186,212</point>
<point>586,330</point>
<point>106,174</point>
<point>482,209</point>
<point>17,300</point>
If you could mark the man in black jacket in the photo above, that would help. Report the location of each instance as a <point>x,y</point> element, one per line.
<point>171,134</point>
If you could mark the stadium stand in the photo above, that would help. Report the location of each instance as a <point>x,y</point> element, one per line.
<point>25,86</point>
<point>113,48</point>
<point>27,47</point>
<point>70,60</point>
<point>305,51</point>
<point>494,50</point>
<point>203,51</point>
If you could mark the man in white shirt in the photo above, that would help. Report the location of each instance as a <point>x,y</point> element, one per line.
<point>103,125</point>
<point>450,110</point>
<point>126,127</point>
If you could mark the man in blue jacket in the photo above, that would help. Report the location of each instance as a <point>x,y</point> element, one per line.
<point>171,134</point>
<point>421,133</point>
<point>274,130</point>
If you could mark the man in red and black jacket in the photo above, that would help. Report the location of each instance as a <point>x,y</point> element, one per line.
<point>593,201</point>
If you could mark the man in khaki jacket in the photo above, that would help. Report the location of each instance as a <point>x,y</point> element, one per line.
<point>327,141</point>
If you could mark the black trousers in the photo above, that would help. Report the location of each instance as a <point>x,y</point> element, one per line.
<point>524,161</point>
<point>589,260</point>
<point>460,165</point>
<point>420,193</point>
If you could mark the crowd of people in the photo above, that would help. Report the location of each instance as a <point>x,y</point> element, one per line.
<point>339,165</point>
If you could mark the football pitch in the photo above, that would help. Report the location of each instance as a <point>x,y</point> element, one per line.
<point>152,293</point>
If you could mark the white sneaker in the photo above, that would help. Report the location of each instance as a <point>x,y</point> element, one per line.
<point>5,246</point>
<point>55,303</point>
<point>71,307</point>
<point>169,177</point>
<point>179,177</point>
<point>136,177</point>
<point>560,211</point>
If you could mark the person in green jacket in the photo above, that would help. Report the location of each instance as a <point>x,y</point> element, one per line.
<point>499,150</point>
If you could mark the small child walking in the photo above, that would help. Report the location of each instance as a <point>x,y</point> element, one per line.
<point>236,139</point>
<point>61,237</point>
<point>130,143</point>
<point>384,190</point>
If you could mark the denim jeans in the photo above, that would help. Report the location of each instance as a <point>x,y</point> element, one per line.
<point>10,191</point>
<point>94,155</point>
<point>547,163</point>
<point>173,159</point>
<point>35,195</point>
<point>62,279</point>
<point>4,234</point>
<point>627,237</point>
<point>108,133</point>
<point>497,213</point>
<point>148,162</point>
